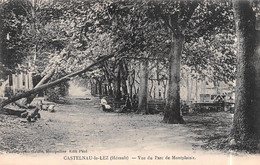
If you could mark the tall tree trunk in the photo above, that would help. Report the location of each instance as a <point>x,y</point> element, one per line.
<point>143,86</point>
<point>172,109</point>
<point>246,122</point>
<point>257,90</point>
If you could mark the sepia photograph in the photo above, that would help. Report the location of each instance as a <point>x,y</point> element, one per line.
<point>129,82</point>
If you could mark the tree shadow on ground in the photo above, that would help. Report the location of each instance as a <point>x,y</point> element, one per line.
<point>213,130</point>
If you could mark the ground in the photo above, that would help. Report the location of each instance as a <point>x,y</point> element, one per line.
<point>83,127</point>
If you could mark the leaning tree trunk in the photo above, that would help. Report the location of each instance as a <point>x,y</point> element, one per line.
<point>56,82</point>
<point>246,123</point>
<point>143,86</point>
<point>44,80</point>
<point>172,109</point>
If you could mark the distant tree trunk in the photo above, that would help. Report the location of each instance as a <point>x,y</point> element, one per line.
<point>172,110</point>
<point>131,83</point>
<point>96,87</point>
<point>117,83</point>
<point>99,82</point>
<point>130,90</point>
<point>143,86</point>
<point>188,89</point>
<point>110,88</point>
<point>191,89</point>
<point>246,122</point>
<point>196,89</point>
<point>124,87</point>
<point>124,76</point>
<point>151,89</point>
<point>164,88</point>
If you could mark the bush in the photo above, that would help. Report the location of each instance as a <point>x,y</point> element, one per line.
<point>53,94</point>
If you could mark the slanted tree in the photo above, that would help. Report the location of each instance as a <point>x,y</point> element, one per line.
<point>53,83</point>
<point>246,123</point>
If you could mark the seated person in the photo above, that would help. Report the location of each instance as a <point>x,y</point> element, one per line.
<point>105,106</point>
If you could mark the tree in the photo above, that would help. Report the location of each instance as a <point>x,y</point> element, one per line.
<point>53,83</point>
<point>158,20</point>
<point>14,16</point>
<point>133,30</point>
<point>143,88</point>
<point>175,17</point>
<point>246,123</point>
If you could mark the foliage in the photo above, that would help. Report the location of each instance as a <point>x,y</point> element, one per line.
<point>209,50</point>
<point>14,15</point>
<point>68,35</point>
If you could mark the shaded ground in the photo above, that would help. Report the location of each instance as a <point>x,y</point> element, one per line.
<point>212,129</point>
<point>82,125</point>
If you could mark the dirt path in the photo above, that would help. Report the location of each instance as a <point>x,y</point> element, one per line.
<point>83,125</point>
<point>83,128</point>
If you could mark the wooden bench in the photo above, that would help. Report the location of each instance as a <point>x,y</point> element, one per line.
<point>157,105</point>
<point>114,104</point>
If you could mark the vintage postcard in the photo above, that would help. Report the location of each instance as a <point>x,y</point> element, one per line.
<point>129,82</point>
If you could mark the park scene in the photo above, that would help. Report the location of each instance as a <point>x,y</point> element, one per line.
<point>130,76</point>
